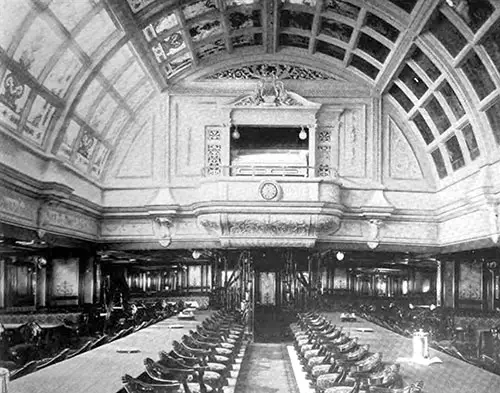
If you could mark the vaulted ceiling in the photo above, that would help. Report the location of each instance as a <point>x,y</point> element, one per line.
<point>77,76</point>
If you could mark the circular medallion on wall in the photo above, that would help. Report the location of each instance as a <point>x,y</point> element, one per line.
<point>270,191</point>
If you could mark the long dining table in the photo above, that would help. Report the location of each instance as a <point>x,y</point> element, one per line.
<point>100,370</point>
<point>451,376</point>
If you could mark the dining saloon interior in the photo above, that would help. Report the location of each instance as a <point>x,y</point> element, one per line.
<point>241,196</point>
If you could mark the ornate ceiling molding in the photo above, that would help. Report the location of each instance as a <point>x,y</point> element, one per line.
<point>266,70</point>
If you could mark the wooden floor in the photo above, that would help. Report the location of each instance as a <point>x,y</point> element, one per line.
<point>452,376</point>
<point>100,370</point>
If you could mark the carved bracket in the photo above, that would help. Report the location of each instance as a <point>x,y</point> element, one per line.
<point>162,230</point>
<point>374,234</point>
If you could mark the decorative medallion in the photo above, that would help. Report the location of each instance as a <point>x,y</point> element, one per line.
<point>270,191</point>
<point>281,71</point>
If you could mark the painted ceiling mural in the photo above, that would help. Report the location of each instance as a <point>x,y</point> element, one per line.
<point>72,79</point>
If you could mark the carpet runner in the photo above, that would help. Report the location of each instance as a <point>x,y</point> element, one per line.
<point>266,368</point>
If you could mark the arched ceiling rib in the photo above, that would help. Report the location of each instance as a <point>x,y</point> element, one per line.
<point>75,73</point>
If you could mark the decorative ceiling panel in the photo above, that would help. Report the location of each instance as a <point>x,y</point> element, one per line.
<point>13,97</point>
<point>38,121</point>
<point>68,143</point>
<point>198,7</point>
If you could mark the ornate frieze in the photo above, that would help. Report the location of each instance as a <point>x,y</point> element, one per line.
<point>266,70</point>
<point>67,221</point>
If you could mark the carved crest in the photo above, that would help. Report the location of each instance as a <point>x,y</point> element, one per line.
<point>270,92</point>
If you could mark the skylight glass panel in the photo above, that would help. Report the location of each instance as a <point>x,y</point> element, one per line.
<point>39,119</point>
<point>118,122</point>
<point>492,46</point>
<point>129,79</point>
<point>70,13</point>
<point>89,97</point>
<point>244,18</point>
<point>413,81</point>
<point>493,114</point>
<point>474,13</point>
<point>95,32</point>
<point>12,15</point>
<point>364,66</point>
<point>471,142</point>
<point>448,34</point>
<point>70,135</point>
<point>204,29</point>
<point>478,76</point>
<point>452,100</point>
<point>425,64</point>
<point>116,63</point>
<point>199,7</point>
<point>63,73</point>
<point>436,112</point>
<point>330,49</point>
<point>101,156</point>
<point>342,8</point>
<point>37,46</point>
<point>439,162</point>
<point>103,113</point>
<point>401,97</point>
<point>85,148</point>
<point>296,19</point>
<point>297,41</point>
<point>455,153</point>
<point>137,5</point>
<point>336,29</point>
<point>373,47</point>
<point>381,27</point>
<point>423,128</point>
<point>139,95</point>
<point>406,5</point>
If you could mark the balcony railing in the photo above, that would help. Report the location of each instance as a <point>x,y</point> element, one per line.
<point>259,170</point>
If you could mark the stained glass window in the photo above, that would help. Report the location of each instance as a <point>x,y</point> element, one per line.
<point>381,27</point>
<point>373,47</point>
<point>425,64</point>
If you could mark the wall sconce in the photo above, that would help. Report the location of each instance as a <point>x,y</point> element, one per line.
<point>340,256</point>
<point>196,254</point>
<point>236,134</point>
<point>302,134</point>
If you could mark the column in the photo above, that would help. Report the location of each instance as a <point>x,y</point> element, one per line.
<point>41,287</point>
<point>439,284</point>
<point>2,283</point>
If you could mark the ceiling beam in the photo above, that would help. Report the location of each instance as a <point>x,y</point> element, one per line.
<point>422,13</point>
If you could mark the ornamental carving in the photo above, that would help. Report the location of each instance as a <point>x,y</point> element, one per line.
<point>213,151</point>
<point>76,222</point>
<point>270,191</point>
<point>162,230</point>
<point>281,71</point>
<point>270,92</point>
<point>276,228</point>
